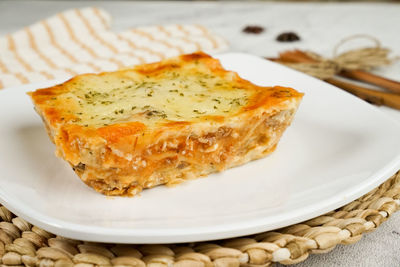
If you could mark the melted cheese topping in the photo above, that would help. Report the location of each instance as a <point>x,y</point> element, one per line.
<point>182,94</point>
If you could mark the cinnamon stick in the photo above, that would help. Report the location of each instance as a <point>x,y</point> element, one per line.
<point>369,95</point>
<point>298,56</point>
<point>372,96</point>
<point>368,77</point>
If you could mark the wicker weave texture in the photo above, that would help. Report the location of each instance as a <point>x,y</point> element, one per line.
<point>24,244</point>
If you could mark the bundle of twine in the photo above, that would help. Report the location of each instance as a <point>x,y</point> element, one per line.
<point>358,59</point>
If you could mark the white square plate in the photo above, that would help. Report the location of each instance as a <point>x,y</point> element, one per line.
<point>337,149</point>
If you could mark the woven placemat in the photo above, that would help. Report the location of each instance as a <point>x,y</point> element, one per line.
<point>24,244</point>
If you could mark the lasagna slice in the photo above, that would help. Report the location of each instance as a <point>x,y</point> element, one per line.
<point>162,123</point>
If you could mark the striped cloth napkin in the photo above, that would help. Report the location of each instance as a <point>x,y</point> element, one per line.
<point>80,41</point>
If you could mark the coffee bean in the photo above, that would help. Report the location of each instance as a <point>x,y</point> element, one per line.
<point>287,37</point>
<point>253,29</point>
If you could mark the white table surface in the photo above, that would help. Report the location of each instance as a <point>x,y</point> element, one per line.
<point>320,25</point>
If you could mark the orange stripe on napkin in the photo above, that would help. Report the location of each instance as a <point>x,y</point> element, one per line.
<point>73,36</point>
<point>56,44</point>
<point>98,13</point>
<point>152,38</point>
<point>99,39</point>
<point>208,36</point>
<point>80,40</point>
<point>18,75</point>
<point>11,47</point>
<point>185,38</point>
<point>34,47</point>
<point>137,47</point>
